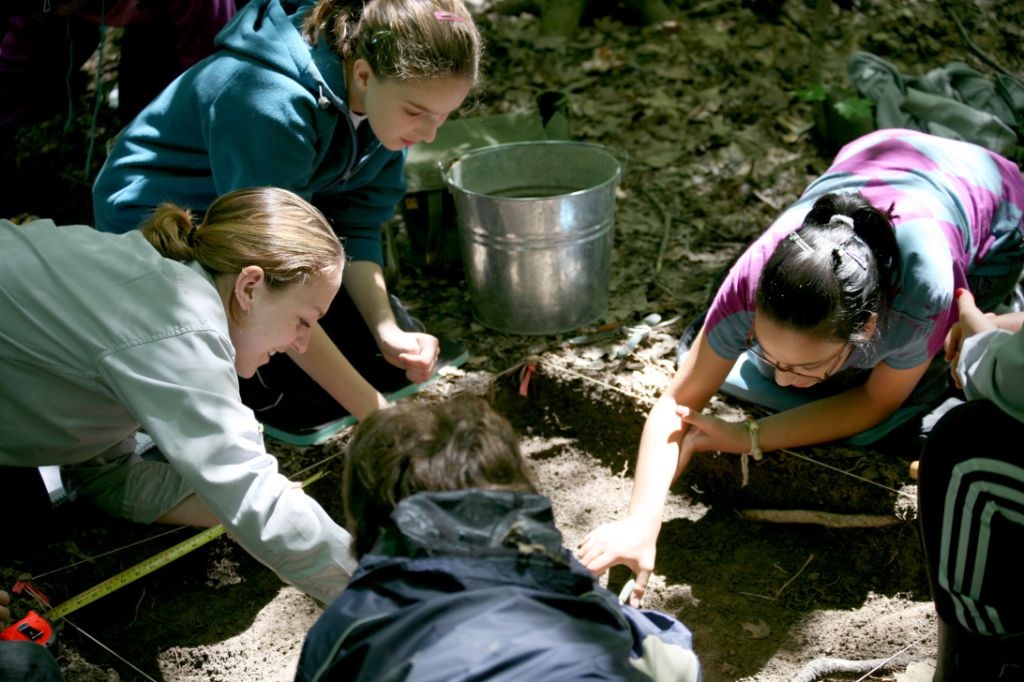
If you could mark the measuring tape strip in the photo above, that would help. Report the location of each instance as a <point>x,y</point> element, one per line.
<point>37,628</point>
<point>134,573</point>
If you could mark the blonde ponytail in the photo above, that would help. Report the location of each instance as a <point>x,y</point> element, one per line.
<point>170,229</point>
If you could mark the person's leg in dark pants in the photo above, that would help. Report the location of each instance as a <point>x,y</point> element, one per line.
<point>284,396</point>
<point>40,56</point>
<point>147,65</point>
<point>30,517</point>
<point>971,508</point>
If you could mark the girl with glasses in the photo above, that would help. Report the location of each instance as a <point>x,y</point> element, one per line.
<point>833,316</point>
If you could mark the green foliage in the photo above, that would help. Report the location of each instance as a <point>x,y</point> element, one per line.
<point>849,106</point>
<point>815,93</point>
<point>840,115</point>
<point>855,108</point>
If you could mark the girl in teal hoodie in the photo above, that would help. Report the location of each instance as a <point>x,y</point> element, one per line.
<point>322,98</point>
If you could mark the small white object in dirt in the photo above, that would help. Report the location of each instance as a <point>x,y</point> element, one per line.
<point>918,671</point>
<point>222,573</point>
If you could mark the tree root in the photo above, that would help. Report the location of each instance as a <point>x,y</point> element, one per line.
<point>822,667</point>
<point>829,519</point>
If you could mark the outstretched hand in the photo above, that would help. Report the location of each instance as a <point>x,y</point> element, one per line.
<point>415,352</point>
<point>972,321</point>
<point>626,542</point>
<point>706,433</point>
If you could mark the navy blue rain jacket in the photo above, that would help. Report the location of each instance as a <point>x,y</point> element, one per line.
<point>476,585</point>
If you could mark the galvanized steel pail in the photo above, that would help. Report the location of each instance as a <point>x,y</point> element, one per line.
<point>536,221</point>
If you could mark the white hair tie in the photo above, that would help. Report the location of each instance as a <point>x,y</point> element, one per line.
<point>839,217</point>
<point>800,242</point>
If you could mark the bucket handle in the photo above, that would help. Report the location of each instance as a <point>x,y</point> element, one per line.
<point>445,163</point>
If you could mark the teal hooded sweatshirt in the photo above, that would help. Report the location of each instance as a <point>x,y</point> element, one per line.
<point>266,109</point>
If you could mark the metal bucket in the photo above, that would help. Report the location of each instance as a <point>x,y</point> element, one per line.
<point>535,225</point>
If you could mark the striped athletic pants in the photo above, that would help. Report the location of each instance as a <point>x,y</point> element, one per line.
<point>971,508</point>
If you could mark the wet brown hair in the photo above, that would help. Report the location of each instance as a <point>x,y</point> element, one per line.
<point>409,448</point>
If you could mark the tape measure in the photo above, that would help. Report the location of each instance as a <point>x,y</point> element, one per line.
<point>39,629</point>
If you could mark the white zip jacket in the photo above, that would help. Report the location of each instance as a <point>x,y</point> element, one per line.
<point>992,367</point>
<point>99,335</point>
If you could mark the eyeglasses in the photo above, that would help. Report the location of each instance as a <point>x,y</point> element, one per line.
<point>836,360</point>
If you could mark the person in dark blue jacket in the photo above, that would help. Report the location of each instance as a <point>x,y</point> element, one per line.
<point>462,573</point>
<point>321,97</point>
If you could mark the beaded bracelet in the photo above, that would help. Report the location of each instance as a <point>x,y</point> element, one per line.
<point>755,445</point>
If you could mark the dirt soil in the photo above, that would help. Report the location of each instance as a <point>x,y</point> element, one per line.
<point>707,109</point>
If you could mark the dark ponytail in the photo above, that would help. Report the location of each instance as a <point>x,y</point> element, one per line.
<point>838,268</point>
<point>872,226</point>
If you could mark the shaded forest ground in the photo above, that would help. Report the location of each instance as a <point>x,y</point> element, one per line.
<point>709,111</point>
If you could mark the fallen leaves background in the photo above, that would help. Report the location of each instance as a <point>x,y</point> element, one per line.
<point>707,111</point>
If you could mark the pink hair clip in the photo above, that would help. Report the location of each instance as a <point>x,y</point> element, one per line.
<point>441,15</point>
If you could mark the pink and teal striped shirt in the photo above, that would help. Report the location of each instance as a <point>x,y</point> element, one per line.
<point>957,212</point>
